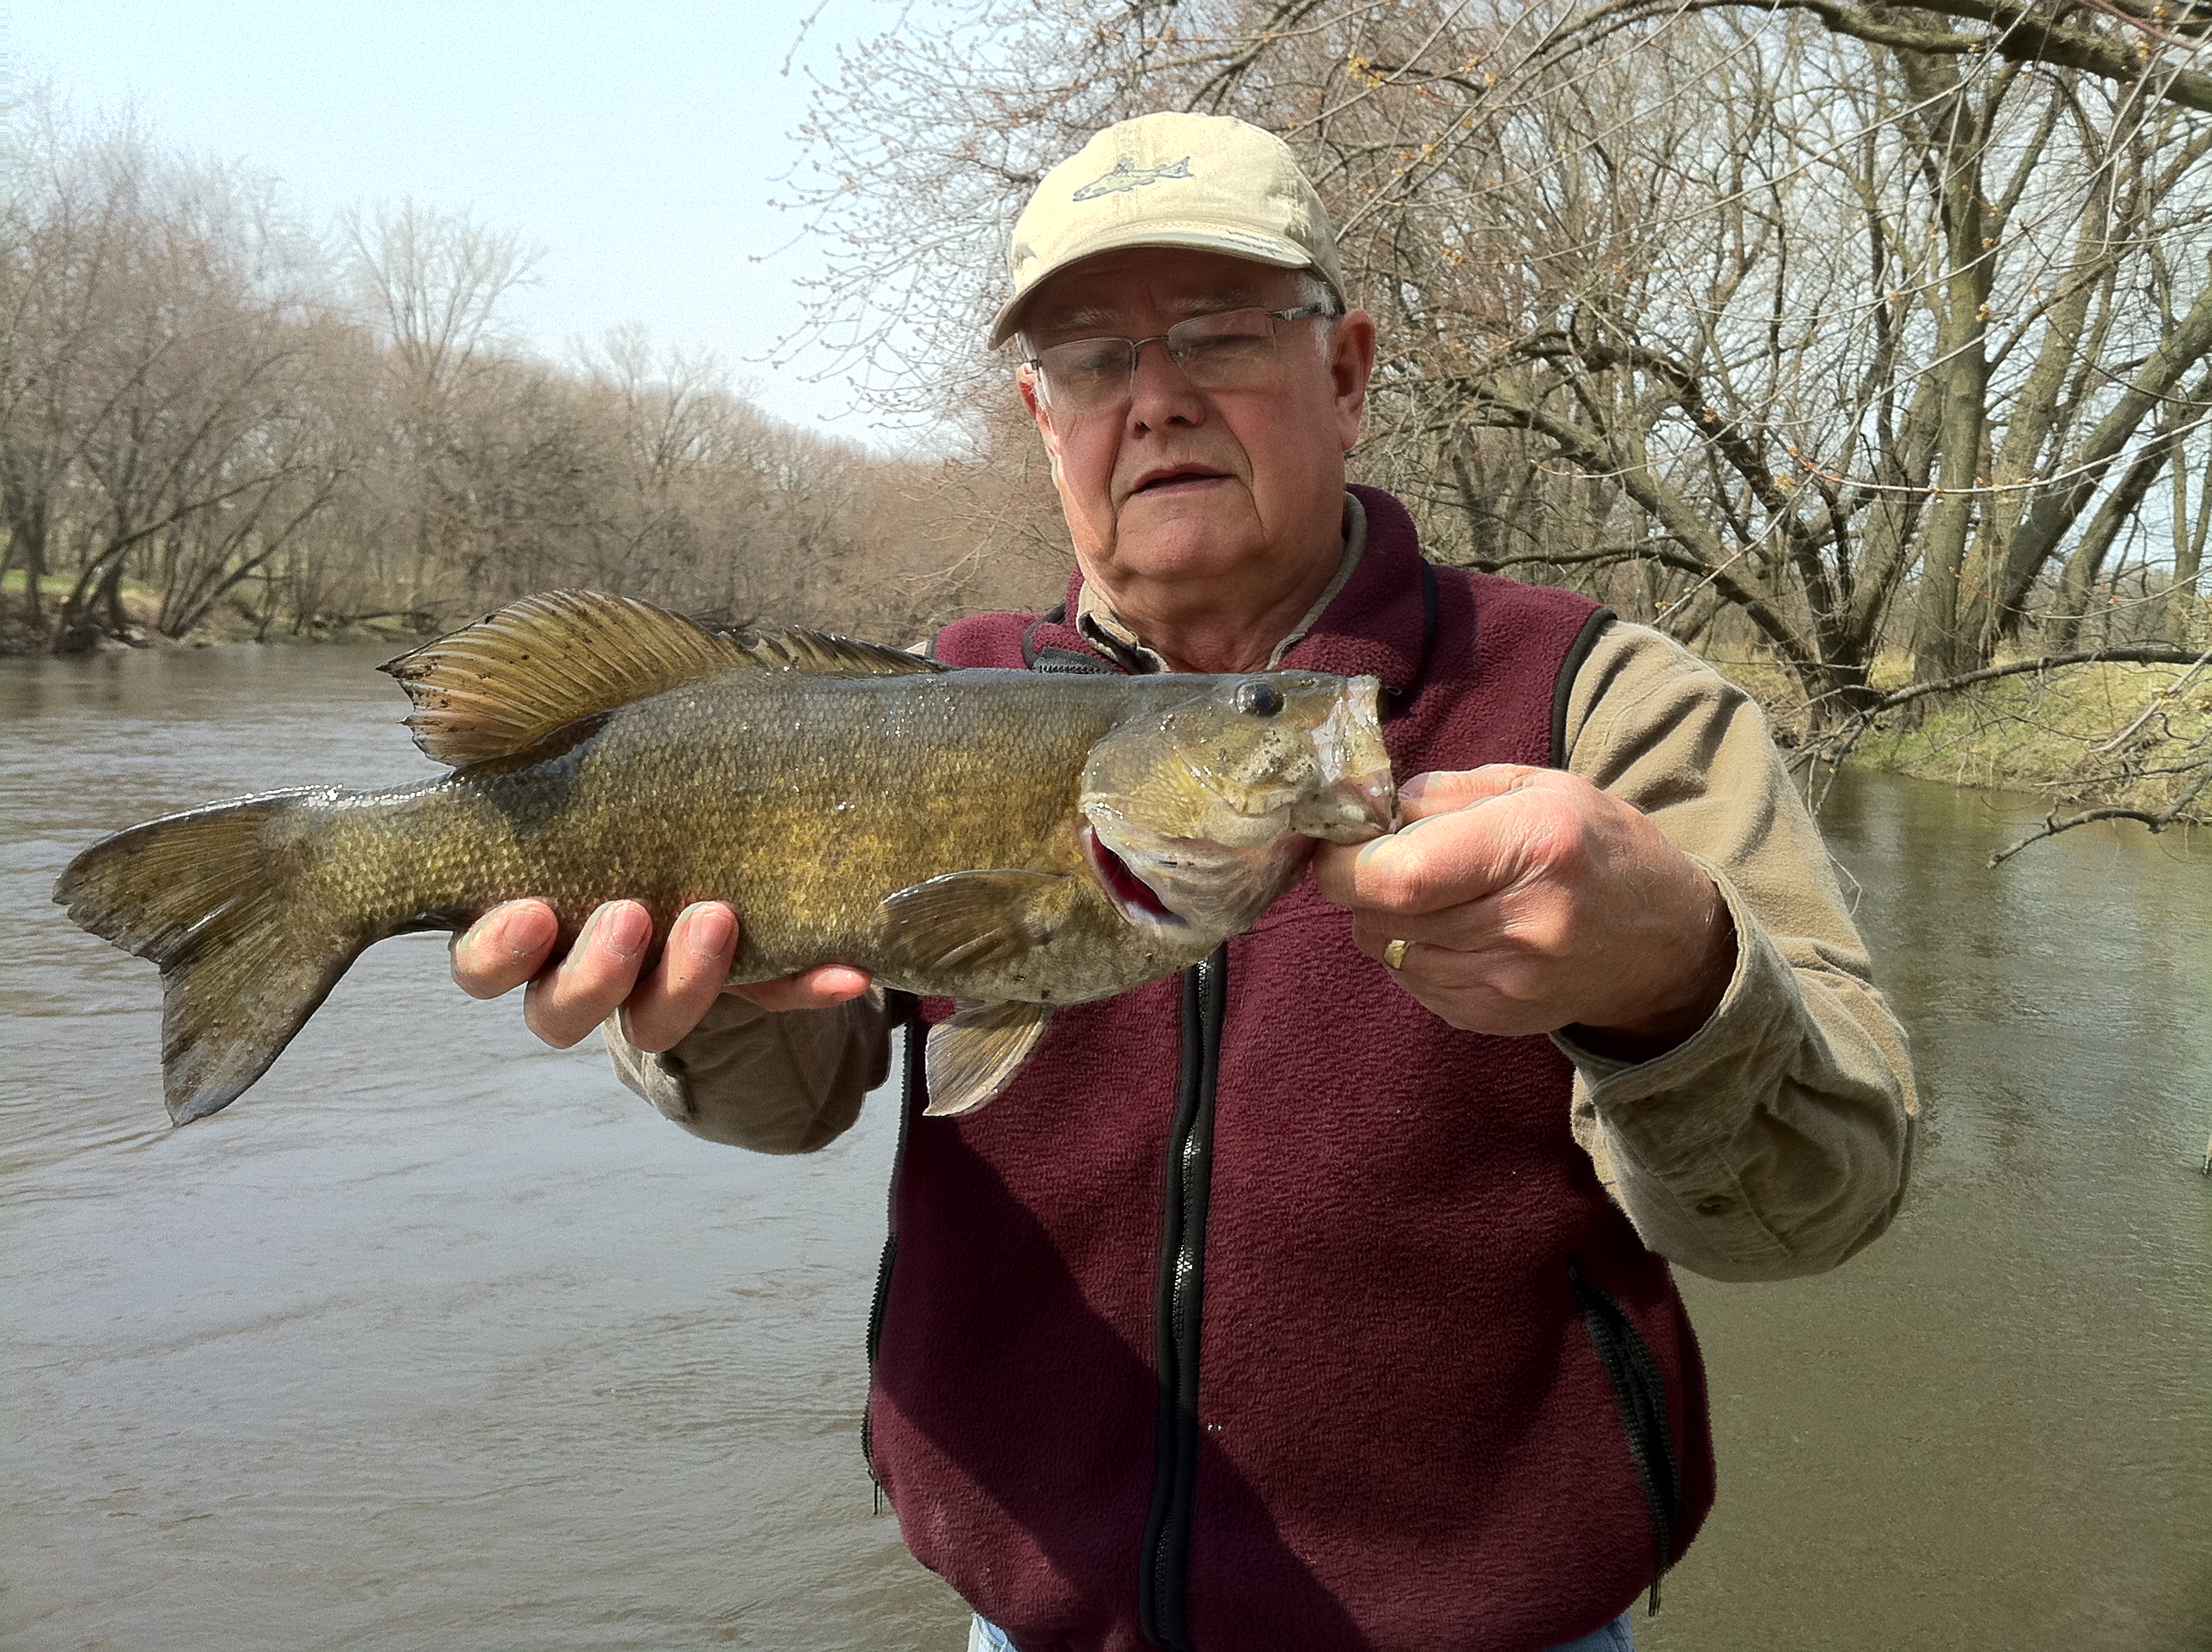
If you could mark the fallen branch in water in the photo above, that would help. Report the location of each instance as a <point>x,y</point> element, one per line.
<point>1836,745</point>
<point>2156,822</point>
<point>2155,770</point>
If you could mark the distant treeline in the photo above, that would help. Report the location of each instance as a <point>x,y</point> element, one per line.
<point>209,415</point>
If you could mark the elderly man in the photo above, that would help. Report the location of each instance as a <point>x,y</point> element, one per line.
<point>1316,1298</point>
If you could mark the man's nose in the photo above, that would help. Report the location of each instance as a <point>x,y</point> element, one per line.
<point>1162,392</point>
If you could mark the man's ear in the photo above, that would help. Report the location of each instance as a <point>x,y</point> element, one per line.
<point>1025,382</point>
<point>1351,364</point>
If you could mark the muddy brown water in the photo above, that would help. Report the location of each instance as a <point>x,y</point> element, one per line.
<point>440,1338</point>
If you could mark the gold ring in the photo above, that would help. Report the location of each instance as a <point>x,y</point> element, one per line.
<point>1393,956</point>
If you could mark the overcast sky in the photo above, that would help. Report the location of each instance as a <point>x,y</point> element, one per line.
<point>637,146</point>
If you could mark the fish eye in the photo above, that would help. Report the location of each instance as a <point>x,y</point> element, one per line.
<point>1257,699</point>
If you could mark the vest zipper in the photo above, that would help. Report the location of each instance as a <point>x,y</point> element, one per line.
<point>904,1011</point>
<point>1639,1389</point>
<point>1164,1571</point>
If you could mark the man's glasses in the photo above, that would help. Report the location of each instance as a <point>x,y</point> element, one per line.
<point>1233,350</point>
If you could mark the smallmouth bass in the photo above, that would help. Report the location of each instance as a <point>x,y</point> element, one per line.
<point>1012,840</point>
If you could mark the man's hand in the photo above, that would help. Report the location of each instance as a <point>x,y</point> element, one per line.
<point>513,943</point>
<point>1531,902</point>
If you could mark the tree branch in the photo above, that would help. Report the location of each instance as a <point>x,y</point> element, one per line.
<point>2020,38</point>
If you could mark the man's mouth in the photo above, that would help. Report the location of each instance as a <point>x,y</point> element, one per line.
<point>1181,478</point>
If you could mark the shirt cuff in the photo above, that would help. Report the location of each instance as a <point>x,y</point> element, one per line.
<point>1670,1123</point>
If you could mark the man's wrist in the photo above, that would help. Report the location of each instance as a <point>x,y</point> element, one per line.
<point>1678,1022</point>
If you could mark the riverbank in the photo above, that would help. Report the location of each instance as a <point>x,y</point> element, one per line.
<point>2063,734</point>
<point>232,622</point>
<point>2107,733</point>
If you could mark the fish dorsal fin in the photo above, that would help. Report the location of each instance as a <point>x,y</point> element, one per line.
<point>504,683</point>
<point>501,685</point>
<point>822,654</point>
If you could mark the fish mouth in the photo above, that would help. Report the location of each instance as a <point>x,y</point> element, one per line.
<point>1132,897</point>
<point>1353,810</point>
<point>1373,797</point>
<point>1361,799</point>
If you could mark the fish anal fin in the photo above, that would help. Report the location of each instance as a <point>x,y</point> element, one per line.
<point>974,1055</point>
<point>506,683</point>
<point>970,919</point>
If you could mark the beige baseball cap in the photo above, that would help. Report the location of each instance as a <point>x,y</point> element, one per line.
<point>1204,181</point>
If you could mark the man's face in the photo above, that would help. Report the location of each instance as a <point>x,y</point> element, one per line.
<point>1182,495</point>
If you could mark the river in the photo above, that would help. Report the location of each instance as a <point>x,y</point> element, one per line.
<point>440,1338</point>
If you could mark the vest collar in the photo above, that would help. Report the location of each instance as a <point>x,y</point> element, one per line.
<point>1377,626</point>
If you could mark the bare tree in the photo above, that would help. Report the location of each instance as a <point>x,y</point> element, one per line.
<point>429,285</point>
<point>1848,341</point>
<point>62,220</point>
<point>160,318</point>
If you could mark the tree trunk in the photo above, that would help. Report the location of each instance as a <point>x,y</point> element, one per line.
<point>2177,622</point>
<point>1962,349</point>
<point>2079,581</point>
<point>1986,618</point>
<point>27,539</point>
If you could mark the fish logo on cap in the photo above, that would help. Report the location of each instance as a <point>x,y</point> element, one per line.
<point>1128,174</point>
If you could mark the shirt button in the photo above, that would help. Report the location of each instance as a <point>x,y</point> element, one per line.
<point>1718,1204</point>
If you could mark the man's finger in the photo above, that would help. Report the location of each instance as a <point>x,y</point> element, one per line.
<point>1440,861</point>
<point>506,947</point>
<point>1471,926</point>
<point>812,989</point>
<point>1443,790</point>
<point>600,971</point>
<point>702,942</point>
<point>1427,797</point>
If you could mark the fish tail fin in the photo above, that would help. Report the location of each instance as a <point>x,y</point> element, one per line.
<point>213,896</point>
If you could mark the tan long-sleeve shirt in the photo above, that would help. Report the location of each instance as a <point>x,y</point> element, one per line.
<point>1775,1141</point>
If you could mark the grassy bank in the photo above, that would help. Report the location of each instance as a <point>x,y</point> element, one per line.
<point>2057,733</point>
<point>2134,735</point>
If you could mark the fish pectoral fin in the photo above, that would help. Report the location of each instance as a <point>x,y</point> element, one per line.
<point>968,920</point>
<point>975,1055</point>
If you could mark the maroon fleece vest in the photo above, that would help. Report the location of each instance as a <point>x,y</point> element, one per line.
<point>1386,1292</point>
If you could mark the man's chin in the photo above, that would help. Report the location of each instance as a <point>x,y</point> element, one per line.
<point>1202,552</point>
<point>1185,526</point>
